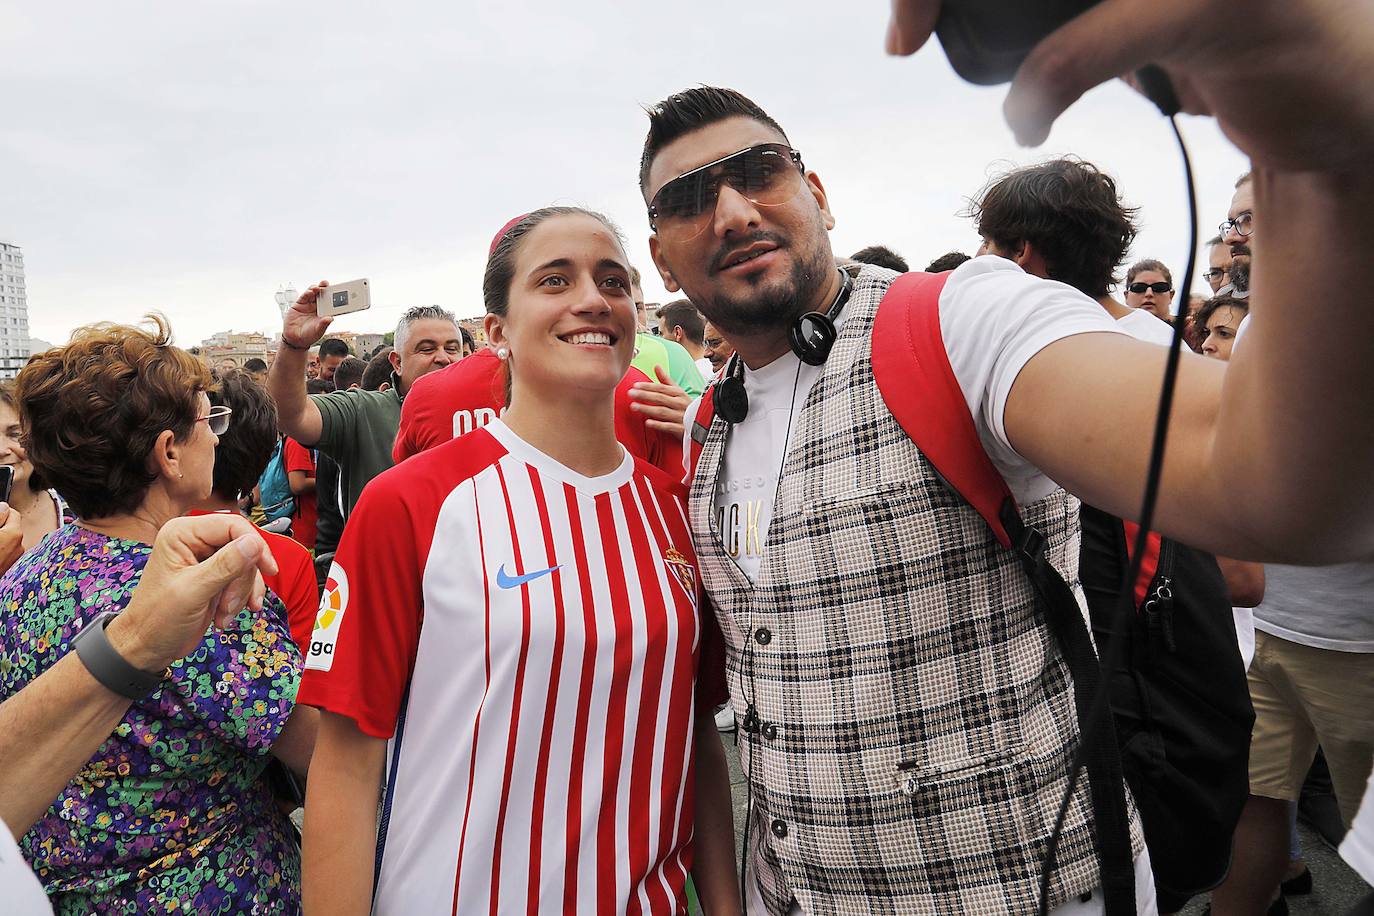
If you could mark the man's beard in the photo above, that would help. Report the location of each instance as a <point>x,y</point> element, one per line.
<point>768,308</point>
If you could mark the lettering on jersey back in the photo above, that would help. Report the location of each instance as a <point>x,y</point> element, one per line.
<point>465,421</point>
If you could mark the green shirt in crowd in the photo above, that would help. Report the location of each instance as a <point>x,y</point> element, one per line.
<point>673,357</point>
<point>357,430</point>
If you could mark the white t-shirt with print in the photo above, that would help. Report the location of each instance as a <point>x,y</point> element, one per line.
<point>993,317</point>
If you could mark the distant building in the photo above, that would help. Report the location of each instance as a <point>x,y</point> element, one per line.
<point>476,328</point>
<point>229,349</point>
<point>14,311</point>
<point>364,344</point>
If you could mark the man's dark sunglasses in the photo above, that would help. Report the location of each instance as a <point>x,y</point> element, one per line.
<point>1161,287</point>
<point>765,174</point>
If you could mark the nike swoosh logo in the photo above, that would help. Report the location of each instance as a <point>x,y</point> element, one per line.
<point>508,581</point>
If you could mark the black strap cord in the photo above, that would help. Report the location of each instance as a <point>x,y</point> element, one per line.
<point>1097,747</point>
<point>1098,718</point>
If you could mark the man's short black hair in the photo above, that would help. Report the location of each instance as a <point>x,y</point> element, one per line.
<point>246,447</point>
<point>332,346</point>
<point>881,256</point>
<point>1070,211</point>
<point>378,370</point>
<point>349,373</point>
<point>254,364</point>
<point>692,109</point>
<point>318,386</point>
<point>681,313</point>
<point>947,261</point>
<point>467,337</point>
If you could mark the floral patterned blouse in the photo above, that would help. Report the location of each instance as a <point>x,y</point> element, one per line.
<point>169,816</point>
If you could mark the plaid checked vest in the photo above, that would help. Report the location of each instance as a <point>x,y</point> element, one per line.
<point>912,722</point>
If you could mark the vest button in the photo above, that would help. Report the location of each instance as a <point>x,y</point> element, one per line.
<point>770,731</point>
<point>780,830</point>
<point>763,636</point>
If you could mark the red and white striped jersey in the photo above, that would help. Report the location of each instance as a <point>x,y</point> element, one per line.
<point>528,639</point>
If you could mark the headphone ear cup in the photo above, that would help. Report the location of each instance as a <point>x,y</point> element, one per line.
<point>731,400</point>
<point>811,336</point>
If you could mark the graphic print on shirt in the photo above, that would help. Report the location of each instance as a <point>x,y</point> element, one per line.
<point>332,606</point>
<point>683,572</point>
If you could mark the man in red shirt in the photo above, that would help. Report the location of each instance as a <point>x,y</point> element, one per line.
<point>471,393</point>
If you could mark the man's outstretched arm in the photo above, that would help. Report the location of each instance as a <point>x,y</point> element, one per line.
<point>1289,425</point>
<point>1269,455</point>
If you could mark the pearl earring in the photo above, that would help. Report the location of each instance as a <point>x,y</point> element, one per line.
<point>502,353</point>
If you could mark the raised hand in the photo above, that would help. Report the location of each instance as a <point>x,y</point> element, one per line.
<point>301,327</point>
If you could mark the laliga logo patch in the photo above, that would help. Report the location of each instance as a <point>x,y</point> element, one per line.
<point>326,633</point>
<point>682,571</point>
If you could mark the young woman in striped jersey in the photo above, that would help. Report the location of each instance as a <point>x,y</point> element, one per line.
<point>510,641</point>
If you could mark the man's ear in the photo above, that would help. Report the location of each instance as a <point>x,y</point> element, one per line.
<point>664,271</point>
<point>394,357</point>
<point>813,184</point>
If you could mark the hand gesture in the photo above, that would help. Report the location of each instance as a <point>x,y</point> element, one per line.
<point>202,569</point>
<point>302,328</point>
<point>663,404</point>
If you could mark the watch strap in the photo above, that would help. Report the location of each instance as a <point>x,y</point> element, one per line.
<point>107,666</point>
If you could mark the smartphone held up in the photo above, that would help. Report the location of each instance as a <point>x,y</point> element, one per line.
<point>343,298</point>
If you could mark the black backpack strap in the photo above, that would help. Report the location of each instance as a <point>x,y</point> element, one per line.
<point>1101,755</point>
<point>911,368</point>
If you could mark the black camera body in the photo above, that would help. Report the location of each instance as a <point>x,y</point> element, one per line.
<point>986,40</point>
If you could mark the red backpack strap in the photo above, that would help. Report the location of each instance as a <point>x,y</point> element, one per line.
<point>918,386</point>
<point>701,426</point>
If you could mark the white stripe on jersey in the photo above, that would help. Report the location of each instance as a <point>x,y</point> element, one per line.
<point>595,649</point>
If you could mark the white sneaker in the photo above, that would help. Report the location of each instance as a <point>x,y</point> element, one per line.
<point>725,719</point>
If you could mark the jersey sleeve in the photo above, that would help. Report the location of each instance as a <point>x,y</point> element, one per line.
<point>994,317</point>
<point>362,649</point>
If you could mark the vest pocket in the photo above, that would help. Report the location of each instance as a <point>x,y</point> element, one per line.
<point>914,776</point>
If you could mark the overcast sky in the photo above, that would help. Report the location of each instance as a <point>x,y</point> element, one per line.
<point>192,158</point>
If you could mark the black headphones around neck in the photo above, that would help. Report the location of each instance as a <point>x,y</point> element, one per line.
<point>811,337</point>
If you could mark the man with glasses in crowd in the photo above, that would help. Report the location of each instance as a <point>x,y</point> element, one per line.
<point>908,717</point>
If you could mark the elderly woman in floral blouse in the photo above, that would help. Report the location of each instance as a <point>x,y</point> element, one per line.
<point>171,814</point>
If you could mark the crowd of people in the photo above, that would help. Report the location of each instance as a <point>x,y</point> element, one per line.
<point>476,615</point>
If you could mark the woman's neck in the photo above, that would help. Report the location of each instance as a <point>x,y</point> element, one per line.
<point>24,499</point>
<point>575,430</point>
<point>143,523</point>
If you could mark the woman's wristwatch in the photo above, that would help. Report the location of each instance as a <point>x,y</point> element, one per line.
<point>107,666</point>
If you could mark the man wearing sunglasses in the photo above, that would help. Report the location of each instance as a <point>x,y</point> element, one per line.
<point>908,720</point>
